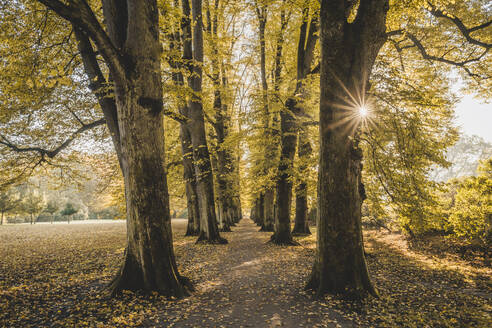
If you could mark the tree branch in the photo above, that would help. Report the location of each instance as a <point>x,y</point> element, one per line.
<point>50,153</point>
<point>81,15</point>
<point>463,29</point>
<point>176,116</point>
<point>418,44</point>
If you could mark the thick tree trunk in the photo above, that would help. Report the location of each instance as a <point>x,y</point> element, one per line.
<point>348,52</point>
<point>301,224</point>
<point>149,257</point>
<point>209,230</point>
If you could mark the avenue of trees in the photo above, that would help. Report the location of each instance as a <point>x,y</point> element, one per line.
<point>288,109</point>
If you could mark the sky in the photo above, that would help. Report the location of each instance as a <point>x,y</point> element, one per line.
<point>474,117</point>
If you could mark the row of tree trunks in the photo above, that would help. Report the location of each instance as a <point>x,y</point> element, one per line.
<point>289,130</point>
<point>225,168</point>
<point>305,54</point>
<point>265,202</point>
<point>348,52</point>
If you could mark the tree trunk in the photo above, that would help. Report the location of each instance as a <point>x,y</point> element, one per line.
<point>283,190</point>
<point>193,228</point>
<point>301,224</point>
<point>32,219</point>
<point>283,193</point>
<point>348,52</point>
<point>149,263</point>
<point>269,214</point>
<point>181,40</point>
<point>1,221</point>
<point>209,230</point>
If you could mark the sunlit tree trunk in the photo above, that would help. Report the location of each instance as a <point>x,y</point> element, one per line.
<point>348,52</point>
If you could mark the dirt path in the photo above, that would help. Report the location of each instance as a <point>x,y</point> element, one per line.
<point>256,284</point>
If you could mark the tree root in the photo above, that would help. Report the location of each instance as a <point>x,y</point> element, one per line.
<point>283,241</point>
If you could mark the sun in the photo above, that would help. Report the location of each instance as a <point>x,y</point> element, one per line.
<point>363,111</point>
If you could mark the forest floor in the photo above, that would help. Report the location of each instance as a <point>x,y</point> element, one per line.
<point>54,276</point>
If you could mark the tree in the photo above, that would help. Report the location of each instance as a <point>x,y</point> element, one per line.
<point>68,211</point>
<point>7,203</point>
<point>352,34</point>
<point>51,208</point>
<point>32,204</point>
<point>131,51</point>
<point>348,52</point>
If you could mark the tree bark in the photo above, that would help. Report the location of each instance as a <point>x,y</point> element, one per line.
<point>260,208</point>
<point>209,230</point>
<point>149,257</point>
<point>1,221</point>
<point>268,210</point>
<point>301,224</point>
<point>283,194</point>
<point>348,52</point>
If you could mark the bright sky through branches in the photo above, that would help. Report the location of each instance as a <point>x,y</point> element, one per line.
<point>474,117</point>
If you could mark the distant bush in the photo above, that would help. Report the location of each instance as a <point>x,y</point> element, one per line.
<point>109,213</point>
<point>471,215</point>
